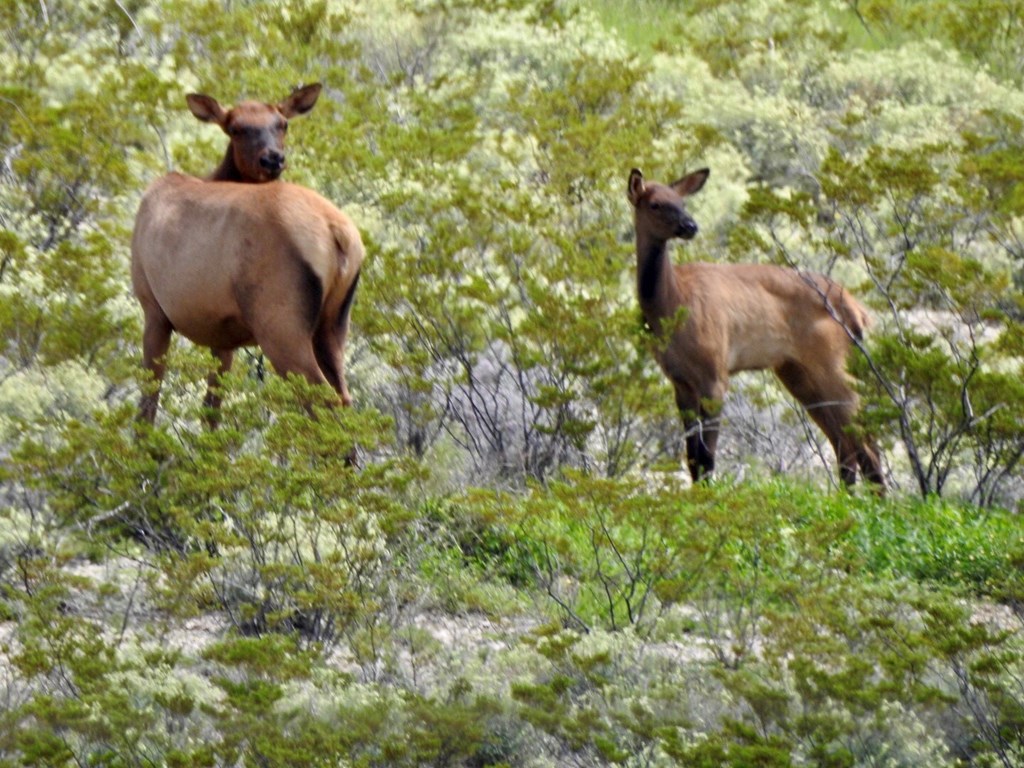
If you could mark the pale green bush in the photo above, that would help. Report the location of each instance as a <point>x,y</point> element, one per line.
<point>34,395</point>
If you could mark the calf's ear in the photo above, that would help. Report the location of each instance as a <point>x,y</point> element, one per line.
<point>635,188</point>
<point>691,182</point>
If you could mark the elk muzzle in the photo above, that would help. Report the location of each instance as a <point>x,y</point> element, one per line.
<point>687,229</point>
<point>272,163</point>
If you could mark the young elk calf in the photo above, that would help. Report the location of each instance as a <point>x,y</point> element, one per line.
<point>716,319</point>
<point>229,264</point>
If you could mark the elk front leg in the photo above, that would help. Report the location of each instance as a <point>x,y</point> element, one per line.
<point>701,424</point>
<point>156,340</point>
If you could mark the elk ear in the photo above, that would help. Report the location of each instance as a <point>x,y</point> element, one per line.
<point>636,186</point>
<point>300,101</point>
<point>206,108</point>
<point>691,182</point>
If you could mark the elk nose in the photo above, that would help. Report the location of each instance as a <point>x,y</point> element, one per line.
<point>687,229</point>
<point>272,161</point>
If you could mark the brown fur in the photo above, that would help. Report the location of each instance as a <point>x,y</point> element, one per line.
<point>717,319</point>
<point>230,264</point>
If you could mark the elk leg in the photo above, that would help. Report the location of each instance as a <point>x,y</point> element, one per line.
<point>330,354</point>
<point>831,406</point>
<point>707,435</point>
<point>870,463</point>
<point>156,339</point>
<point>293,355</point>
<point>307,361</point>
<point>329,344</point>
<point>211,403</point>
<point>329,348</point>
<point>701,432</point>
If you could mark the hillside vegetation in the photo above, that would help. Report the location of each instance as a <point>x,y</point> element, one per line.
<point>517,572</point>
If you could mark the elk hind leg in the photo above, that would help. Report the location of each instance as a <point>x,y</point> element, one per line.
<point>831,405</point>
<point>329,345</point>
<point>869,458</point>
<point>293,355</point>
<point>320,362</point>
<point>285,330</point>
<point>329,351</point>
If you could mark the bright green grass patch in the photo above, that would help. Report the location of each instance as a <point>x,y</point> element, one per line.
<point>931,540</point>
<point>943,542</point>
<point>645,25</point>
<point>665,539</point>
<point>927,540</point>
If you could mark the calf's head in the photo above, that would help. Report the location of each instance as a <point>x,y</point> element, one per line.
<point>660,209</point>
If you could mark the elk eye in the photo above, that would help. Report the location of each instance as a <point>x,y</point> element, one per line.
<point>655,206</point>
<point>284,127</point>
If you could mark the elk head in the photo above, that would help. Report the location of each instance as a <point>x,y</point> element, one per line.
<point>660,209</point>
<point>257,131</point>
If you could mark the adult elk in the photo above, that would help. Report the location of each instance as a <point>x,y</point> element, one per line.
<point>713,320</point>
<point>231,261</point>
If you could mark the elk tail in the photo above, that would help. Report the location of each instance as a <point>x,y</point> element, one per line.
<point>852,314</point>
<point>349,247</point>
<point>841,304</point>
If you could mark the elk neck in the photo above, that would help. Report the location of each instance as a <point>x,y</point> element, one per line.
<point>655,281</point>
<point>227,170</point>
